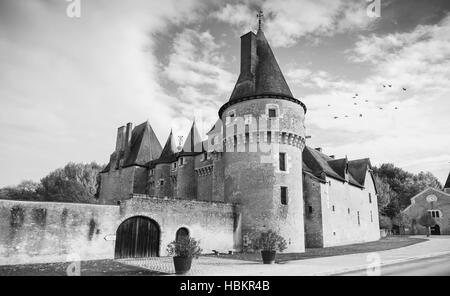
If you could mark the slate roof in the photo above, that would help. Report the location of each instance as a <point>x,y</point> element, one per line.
<point>193,143</point>
<point>169,152</point>
<point>447,184</point>
<point>144,146</point>
<point>319,164</point>
<point>267,77</point>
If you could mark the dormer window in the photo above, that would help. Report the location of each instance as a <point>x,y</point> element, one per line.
<point>174,166</point>
<point>181,161</point>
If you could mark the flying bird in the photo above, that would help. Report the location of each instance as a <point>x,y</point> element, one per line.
<point>346,116</point>
<point>390,85</point>
<point>336,117</point>
<point>355,103</point>
<point>384,85</point>
<point>356,95</point>
<point>367,101</point>
<point>329,105</point>
<point>381,108</point>
<point>396,108</point>
<point>404,89</point>
<point>360,115</point>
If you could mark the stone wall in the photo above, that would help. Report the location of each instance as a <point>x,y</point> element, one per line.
<point>340,226</point>
<point>116,185</point>
<point>211,223</point>
<point>313,212</point>
<point>37,232</point>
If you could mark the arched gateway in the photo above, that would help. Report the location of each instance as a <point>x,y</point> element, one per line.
<point>137,237</point>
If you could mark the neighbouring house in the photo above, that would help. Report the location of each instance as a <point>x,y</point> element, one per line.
<point>437,204</point>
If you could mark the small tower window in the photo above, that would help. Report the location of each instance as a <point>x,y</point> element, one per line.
<point>272,112</point>
<point>348,210</point>
<point>310,209</point>
<point>359,220</point>
<point>161,182</point>
<point>181,160</point>
<point>370,198</point>
<point>282,161</point>
<point>284,195</point>
<point>332,208</point>
<point>371,217</point>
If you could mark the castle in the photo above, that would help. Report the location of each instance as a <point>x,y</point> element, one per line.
<point>253,173</point>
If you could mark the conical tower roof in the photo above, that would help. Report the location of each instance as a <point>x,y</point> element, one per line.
<point>193,143</point>
<point>260,72</point>
<point>169,151</point>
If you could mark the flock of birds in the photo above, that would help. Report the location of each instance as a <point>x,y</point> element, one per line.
<point>356,96</point>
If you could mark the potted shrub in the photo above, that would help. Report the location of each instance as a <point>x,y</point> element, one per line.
<point>269,243</point>
<point>183,250</point>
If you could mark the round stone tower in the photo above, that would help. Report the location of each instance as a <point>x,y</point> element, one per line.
<point>263,128</point>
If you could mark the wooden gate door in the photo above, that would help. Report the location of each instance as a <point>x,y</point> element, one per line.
<point>137,237</point>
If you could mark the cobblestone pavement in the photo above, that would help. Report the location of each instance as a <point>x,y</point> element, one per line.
<point>200,266</point>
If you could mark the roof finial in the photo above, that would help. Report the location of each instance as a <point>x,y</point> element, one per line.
<point>260,16</point>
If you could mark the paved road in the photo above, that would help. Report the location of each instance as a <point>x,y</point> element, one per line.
<point>436,266</point>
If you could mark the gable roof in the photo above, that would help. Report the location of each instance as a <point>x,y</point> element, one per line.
<point>428,189</point>
<point>260,73</point>
<point>318,163</point>
<point>447,184</point>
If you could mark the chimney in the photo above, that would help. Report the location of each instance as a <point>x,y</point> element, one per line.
<point>128,134</point>
<point>120,142</point>
<point>248,56</point>
<point>319,149</point>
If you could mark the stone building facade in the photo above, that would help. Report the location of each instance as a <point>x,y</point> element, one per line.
<point>434,202</point>
<point>255,161</point>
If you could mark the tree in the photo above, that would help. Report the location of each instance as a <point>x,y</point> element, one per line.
<point>75,182</point>
<point>26,190</point>
<point>427,221</point>
<point>385,222</point>
<point>401,220</point>
<point>402,186</point>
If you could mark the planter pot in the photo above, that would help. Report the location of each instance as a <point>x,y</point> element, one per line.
<point>182,264</point>
<point>268,257</point>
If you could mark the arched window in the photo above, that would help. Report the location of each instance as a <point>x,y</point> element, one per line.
<point>182,233</point>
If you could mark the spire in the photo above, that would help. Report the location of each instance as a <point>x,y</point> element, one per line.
<point>193,141</point>
<point>144,145</point>
<point>260,16</point>
<point>169,150</point>
<point>260,73</point>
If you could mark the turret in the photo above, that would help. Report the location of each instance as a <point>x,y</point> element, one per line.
<point>264,137</point>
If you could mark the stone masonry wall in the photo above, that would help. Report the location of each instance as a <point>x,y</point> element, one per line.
<point>313,212</point>
<point>116,185</point>
<point>211,223</point>
<point>39,232</point>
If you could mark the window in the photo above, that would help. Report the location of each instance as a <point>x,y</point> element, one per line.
<point>174,165</point>
<point>269,137</point>
<point>181,161</point>
<point>359,221</point>
<point>371,217</point>
<point>161,182</point>
<point>283,195</point>
<point>435,213</point>
<point>310,208</point>
<point>348,210</point>
<point>332,208</point>
<point>282,161</point>
<point>272,112</point>
<point>370,198</point>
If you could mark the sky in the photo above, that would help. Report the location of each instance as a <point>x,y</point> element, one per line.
<point>67,83</point>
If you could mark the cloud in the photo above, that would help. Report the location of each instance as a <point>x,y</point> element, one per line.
<point>196,67</point>
<point>289,20</point>
<point>418,60</point>
<point>67,84</point>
